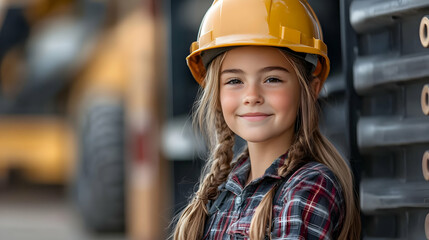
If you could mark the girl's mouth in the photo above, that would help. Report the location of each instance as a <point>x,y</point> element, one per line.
<point>254,117</point>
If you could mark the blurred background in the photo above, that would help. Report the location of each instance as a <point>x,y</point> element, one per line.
<point>95,97</point>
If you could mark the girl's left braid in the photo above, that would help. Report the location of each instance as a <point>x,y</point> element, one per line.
<point>222,156</point>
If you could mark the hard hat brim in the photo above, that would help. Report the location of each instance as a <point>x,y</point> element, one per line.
<point>198,68</point>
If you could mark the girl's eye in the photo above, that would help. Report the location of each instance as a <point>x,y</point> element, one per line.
<point>273,80</point>
<point>234,81</point>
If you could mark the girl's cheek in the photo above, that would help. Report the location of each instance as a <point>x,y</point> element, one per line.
<point>228,99</point>
<point>283,99</point>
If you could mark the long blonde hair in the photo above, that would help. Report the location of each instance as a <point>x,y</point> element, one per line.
<point>309,144</point>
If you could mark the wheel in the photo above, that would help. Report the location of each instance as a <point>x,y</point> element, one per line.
<point>100,171</point>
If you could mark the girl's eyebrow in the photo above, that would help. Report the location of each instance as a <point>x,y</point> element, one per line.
<point>232,71</point>
<point>273,68</point>
<point>265,69</point>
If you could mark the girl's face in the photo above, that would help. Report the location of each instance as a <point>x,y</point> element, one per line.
<point>259,94</point>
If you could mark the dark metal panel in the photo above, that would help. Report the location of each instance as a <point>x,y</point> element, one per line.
<point>375,238</point>
<point>388,194</point>
<point>396,226</point>
<point>390,70</point>
<point>375,132</point>
<point>368,15</point>
<point>371,72</point>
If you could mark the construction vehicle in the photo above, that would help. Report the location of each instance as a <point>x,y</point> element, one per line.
<point>81,104</point>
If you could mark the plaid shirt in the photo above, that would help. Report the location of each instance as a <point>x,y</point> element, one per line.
<point>309,205</point>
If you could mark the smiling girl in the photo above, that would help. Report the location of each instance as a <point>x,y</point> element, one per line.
<point>261,65</point>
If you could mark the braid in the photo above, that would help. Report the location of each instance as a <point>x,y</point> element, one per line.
<point>261,221</point>
<point>296,155</point>
<point>191,223</point>
<point>221,163</point>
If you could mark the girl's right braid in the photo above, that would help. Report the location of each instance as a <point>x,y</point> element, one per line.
<point>191,223</point>
<point>262,219</point>
<point>296,155</point>
<point>222,156</point>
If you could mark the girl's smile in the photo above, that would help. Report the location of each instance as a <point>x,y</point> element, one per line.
<point>255,117</point>
<point>259,94</point>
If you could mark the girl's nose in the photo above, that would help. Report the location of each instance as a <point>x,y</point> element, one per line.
<point>253,96</point>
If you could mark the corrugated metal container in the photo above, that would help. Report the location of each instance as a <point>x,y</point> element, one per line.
<point>390,75</point>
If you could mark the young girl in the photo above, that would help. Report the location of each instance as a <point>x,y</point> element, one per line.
<point>261,65</point>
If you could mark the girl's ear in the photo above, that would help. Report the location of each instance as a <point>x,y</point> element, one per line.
<point>316,86</point>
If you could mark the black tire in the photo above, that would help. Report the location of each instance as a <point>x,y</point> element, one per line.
<point>100,172</point>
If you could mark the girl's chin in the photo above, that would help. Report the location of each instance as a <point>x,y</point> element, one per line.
<point>255,139</point>
<point>265,136</point>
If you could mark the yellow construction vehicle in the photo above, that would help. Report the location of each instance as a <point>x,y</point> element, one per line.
<point>81,101</point>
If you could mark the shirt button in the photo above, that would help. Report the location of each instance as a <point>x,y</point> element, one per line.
<point>238,201</point>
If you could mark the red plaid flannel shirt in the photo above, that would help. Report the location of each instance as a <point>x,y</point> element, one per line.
<point>309,205</point>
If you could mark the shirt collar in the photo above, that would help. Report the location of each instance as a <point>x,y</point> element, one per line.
<point>239,174</point>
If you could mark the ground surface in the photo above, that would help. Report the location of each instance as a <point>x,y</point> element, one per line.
<point>42,213</point>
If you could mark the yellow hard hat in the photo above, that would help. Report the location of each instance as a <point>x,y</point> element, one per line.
<point>288,24</point>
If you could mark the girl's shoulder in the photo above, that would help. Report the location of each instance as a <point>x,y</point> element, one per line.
<point>311,179</point>
<point>312,202</point>
<point>313,171</point>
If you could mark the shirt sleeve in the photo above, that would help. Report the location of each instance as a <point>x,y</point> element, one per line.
<point>310,207</point>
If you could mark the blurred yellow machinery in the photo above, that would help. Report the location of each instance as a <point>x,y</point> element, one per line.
<point>41,148</point>
<point>82,103</point>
